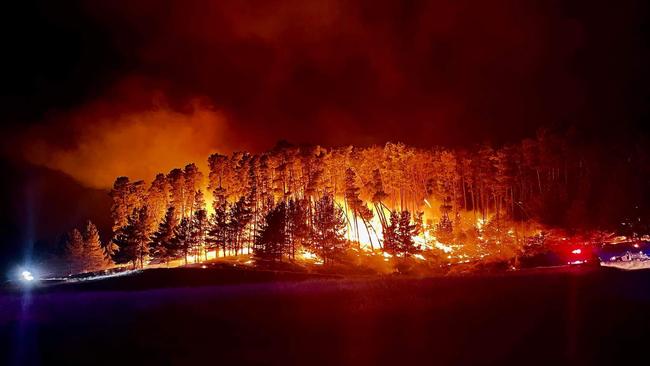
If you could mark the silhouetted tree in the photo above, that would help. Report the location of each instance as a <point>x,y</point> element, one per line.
<point>272,240</point>
<point>218,229</point>
<point>131,240</point>
<point>182,234</point>
<point>297,227</point>
<point>329,229</point>
<point>240,217</point>
<point>199,227</point>
<point>74,250</point>
<point>162,245</point>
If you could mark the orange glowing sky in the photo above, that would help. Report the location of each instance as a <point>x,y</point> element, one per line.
<point>110,88</point>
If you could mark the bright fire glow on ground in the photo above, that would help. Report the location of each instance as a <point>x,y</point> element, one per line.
<point>428,247</point>
<point>309,256</point>
<point>445,248</point>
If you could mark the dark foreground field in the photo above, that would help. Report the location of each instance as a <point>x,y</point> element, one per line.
<point>543,317</point>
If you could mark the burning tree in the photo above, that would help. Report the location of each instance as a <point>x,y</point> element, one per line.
<point>93,252</point>
<point>383,192</point>
<point>74,249</point>
<point>398,237</point>
<point>84,252</point>
<point>444,228</point>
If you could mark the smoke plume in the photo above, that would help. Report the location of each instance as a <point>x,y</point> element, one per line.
<point>95,148</point>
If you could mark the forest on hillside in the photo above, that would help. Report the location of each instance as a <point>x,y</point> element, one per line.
<point>314,202</point>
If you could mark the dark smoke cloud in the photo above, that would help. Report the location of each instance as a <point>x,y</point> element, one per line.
<point>111,138</point>
<point>332,72</point>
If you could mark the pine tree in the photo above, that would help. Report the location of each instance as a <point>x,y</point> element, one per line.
<point>265,184</point>
<point>182,237</point>
<point>162,245</point>
<point>119,208</point>
<point>176,191</point>
<point>74,250</point>
<point>398,237</point>
<point>329,229</point>
<point>199,228</point>
<point>131,240</point>
<point>378,196</point>
<point>94,258</point>
<point>297,227</point>
<point>192,179</point>
<point>125,240</point>
<point>272,239</point>
<point>218,228</point>
<point>127,196</point>
<point>352,199</point>
<point>157,200</point>
<point>253,198</point>
<point>444,228</point>
<point>405,234</point>
<point>391,237</point>
<point>219,178</point>
<point>240,217</point>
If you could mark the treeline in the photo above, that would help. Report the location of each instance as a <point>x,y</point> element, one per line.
<point>323,199</point>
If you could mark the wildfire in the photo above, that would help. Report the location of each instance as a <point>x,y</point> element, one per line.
<point>278,194</point>
<point>309,256</point>
<point>443,247</point>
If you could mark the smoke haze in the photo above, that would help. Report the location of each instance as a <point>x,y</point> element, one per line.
<point>134,144</point>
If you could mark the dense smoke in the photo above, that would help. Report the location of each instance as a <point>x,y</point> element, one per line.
<point>102,145</point>
<point>328,72</point>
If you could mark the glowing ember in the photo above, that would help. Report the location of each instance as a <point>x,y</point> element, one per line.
<point>443,247</point>
<point>309,256</point>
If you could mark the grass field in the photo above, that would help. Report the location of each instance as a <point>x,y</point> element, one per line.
<point>226,316</point>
